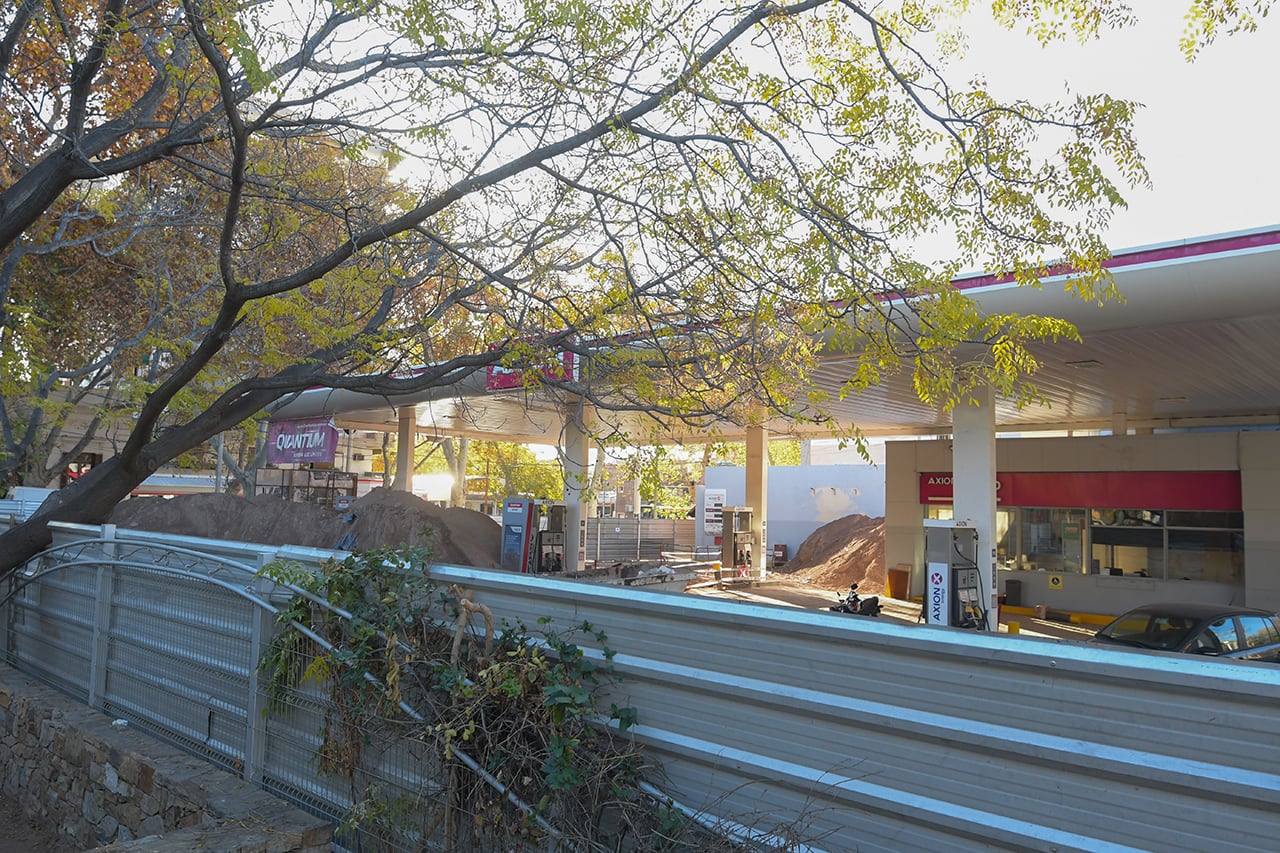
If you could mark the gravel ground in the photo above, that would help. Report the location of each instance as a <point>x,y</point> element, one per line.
<point>19,835</point>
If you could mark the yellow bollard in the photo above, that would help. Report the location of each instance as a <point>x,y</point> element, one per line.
<point>1015,628</point>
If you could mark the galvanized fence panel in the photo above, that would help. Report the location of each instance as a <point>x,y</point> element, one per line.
<point>175,652</point>
<point>180,657</point>
<point>613,540</point>
<point>50,627</point>
<point>856,734</point>
<point>619,540</point>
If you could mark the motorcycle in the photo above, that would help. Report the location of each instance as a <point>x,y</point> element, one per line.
<point>857,606</point>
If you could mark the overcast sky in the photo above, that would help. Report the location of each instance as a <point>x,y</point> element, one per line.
<point>1210,130</point>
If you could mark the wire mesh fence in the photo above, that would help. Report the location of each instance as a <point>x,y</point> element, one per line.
<point>438,737</point>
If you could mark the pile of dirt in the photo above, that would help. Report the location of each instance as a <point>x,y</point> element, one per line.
<point>847,550</point>
<point>381,519</point>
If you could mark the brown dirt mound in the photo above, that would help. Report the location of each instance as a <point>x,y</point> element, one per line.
<point>847,550</point>
<point>383,519</point>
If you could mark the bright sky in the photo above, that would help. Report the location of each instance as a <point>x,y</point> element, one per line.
<point>1210,131</point>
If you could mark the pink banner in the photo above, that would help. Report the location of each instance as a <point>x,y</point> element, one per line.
<point>498,378</point>
<point>297,442</point>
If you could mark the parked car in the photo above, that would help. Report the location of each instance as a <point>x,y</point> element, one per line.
<point>1219,630</point>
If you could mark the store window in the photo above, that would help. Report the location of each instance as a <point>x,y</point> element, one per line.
<point>1206,555</point>
<point>1127,542</point>
<point>1006,537</point>
<point>1173,545</point>
<point>1197,545</point>
<point>1052,539</point>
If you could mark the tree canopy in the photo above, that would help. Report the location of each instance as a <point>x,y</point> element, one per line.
<point>695,196</point>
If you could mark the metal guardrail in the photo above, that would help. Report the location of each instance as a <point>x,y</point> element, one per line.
<point>847,734</point>
<point>14,511</point>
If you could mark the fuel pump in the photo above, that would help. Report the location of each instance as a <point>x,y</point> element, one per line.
<point>549,549</point>
<point>533,535</point>
<point>953,584</point>
<point>519,522</point>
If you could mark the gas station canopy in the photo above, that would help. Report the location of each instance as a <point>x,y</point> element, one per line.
<point>1193,345</point>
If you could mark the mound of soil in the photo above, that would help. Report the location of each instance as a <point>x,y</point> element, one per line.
<point>380,519</point>
<point>847,550</point>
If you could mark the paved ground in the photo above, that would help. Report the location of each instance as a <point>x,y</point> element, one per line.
<point>789,594</point>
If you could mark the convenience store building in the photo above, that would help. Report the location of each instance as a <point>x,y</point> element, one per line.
<point>1153,471</point>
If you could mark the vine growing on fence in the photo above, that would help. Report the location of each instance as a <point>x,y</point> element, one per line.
<point>503,720</point>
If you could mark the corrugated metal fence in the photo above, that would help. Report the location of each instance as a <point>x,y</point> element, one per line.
<point>617,540</point>
<point>847,734</point>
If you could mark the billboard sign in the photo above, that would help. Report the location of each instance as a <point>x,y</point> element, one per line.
<point>302,441</point>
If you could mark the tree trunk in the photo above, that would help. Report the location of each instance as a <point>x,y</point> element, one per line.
<point>90,498</point>
<point>87,500</point>
<point>455,454</point>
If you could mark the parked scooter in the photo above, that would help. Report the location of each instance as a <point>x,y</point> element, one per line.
<point>857,606</point>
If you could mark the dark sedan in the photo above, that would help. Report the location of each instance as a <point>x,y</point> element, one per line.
<point>1220,630</point>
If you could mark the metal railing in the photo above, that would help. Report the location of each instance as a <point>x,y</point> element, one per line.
<point>14,511</point>
<point>846,734</point>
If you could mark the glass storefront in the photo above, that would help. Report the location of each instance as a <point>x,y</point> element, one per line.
<point>1164,544</point>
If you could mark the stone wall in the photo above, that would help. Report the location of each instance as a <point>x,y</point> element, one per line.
<point>96,783</point>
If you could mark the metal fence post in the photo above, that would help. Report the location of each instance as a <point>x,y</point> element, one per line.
<point>255,736</point>
<point>103,593</point>
<point>6,638</point>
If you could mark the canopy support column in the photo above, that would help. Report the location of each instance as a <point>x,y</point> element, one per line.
<point>575,456</point>
<point>758,492</point>
<point>973,464</point>
<point>405,437</point>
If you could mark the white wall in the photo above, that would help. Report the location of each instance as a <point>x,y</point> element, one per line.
<point>802,498</point>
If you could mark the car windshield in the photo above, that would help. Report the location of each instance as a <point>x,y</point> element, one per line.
<point>1150,630</point>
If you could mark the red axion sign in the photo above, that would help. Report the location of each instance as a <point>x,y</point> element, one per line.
<point>1190,490</point>
<point>936,488</point>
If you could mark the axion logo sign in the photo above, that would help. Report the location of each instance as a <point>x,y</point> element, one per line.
<point>940,480</point>
<point>939,487</point>
<point>937,595</point>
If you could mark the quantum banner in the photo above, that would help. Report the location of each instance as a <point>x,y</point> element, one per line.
<point>302,441</point>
